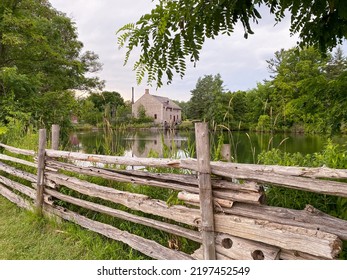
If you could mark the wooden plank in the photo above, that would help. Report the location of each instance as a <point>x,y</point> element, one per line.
<point>116,160</point>
<point>125,178</point>
<point>17,150</point>
<point>296,255</point>
<point>228,170</point>
<point>298,183</point>
<point>237,248</point>
<point>186,179</point>
<point>133,201</point>
<point>305,240</point>
<point>174,229</point>
<point>143,245</point>
<point>240,187</point>
<point>246,197</point>
<point>40,170</point>
<point>283,255</point>
<point>234,248</point>
<point>19,187</point>
<point>194,199</point>
<point>178,182</point>
<point>311,172</point>
<point>310,217</point>
<point>189,163</point>
<point>18,160</point>
<point>205,190</point>
<point>18,173</point>
<point>14,198</point>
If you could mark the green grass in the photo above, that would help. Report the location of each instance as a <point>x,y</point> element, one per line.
<point>26,236</point>
<point>186,125</point>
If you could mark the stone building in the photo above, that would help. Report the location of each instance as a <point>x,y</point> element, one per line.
<point>163,110</point>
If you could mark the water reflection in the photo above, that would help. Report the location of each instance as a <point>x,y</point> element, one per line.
<point>134,143</point>
<point>157,143</point>
<point>244,147</point>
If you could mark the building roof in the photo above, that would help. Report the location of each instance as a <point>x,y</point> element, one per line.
<point>167,102</point>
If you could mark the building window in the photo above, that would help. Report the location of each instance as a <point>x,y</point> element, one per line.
<point>155,116</point>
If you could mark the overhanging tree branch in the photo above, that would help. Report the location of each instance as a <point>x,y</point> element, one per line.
<point>175,31</point>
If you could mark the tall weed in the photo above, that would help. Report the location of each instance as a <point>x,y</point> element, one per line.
<point>19,132</point>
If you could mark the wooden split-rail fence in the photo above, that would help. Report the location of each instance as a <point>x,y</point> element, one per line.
<point>223,206</point>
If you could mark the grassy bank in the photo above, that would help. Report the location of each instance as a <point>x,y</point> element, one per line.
<point>24,235</point>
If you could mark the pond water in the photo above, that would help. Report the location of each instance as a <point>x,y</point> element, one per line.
<point>244,146</point>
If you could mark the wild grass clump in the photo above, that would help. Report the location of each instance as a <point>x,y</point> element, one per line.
<point>333,156</point>
<point>186,125</point>
<point>20,135</point>
<point>26,236</point>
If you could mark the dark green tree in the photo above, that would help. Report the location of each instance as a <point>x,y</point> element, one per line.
<point>100,100</point>
<point>203,102</point>
<point>255,104</point>
<point>41,61</point>
<point>88,113</point>
<point>306,90</point>
<point>124,113</point>
<point>106,105</point>
<point>240,108</point>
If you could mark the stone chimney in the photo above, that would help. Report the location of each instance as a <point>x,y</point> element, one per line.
<point>132,95</point>
<point>146,91</point>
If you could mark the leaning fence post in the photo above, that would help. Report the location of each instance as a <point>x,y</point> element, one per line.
<point>40,170</point>
<point>205,190</point>
<point>55,136</point>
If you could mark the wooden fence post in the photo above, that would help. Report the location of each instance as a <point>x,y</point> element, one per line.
<point>55,136</point>
<point>225,152</point>
<point>205,190</point>
<point>40,170</point>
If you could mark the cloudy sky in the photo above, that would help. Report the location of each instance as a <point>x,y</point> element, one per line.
<point>241,62</point>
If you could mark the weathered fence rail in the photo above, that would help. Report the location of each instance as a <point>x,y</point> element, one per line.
<point>223,202</point>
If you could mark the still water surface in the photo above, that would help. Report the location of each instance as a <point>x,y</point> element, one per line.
<point>244,146</point>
